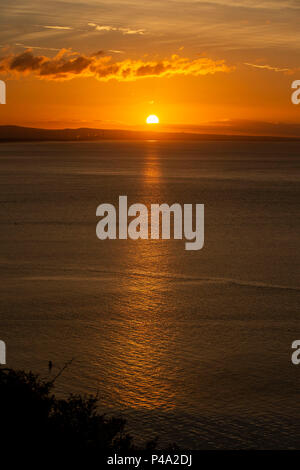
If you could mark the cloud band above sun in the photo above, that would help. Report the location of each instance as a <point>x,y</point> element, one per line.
<point>67,65</point>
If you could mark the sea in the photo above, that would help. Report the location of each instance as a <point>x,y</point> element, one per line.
<point>192,347</point>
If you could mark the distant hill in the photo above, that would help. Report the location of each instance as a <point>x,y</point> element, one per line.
<point>29,134</point>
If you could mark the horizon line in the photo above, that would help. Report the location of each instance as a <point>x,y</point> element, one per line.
<point>22,133</point>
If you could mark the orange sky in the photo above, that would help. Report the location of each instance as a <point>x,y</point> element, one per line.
<point>218,65</point>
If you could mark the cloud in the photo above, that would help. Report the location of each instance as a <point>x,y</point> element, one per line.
<point>256,4</point>
<point>132,31</point>
<point>108,28</point>
<point>57,27</point>
<point>19,44</point>
<point>270,67</point>
<point>115,51</point>
<point>227,26</point>
<point>67,65</point>
<point>105,28</point>
<point>26,61</point>
<point>100,52</point>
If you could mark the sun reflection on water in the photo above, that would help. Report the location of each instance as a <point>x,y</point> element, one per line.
<point>142,342</point>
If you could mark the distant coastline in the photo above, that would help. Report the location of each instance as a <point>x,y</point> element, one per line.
<point>30,134</point>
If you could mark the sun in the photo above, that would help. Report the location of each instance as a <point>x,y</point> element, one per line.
<point>152,119</point>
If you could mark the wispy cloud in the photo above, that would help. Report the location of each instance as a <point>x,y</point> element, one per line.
<point>107,28</point>
<point>19,44</point>
<point>67,65</point>
<point>229,28</point>
<point>132,31</point>
<point>257,4</point>
<point>270,67</point>
<point>102,28</point>
<point>57,27</point>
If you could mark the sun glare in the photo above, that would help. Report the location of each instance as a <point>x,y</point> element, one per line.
<point>152,119</point>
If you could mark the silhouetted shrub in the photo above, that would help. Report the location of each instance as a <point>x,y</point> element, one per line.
<point>32,417</point>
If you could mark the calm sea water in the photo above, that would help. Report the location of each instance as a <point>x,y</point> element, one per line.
<point>192,346</point>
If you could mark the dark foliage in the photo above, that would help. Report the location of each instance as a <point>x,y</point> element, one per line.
<point>32,419</point>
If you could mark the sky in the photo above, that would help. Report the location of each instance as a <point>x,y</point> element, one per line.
<point>213,66</point>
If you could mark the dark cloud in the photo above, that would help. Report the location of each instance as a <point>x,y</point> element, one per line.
<point>98,53</point>
<point>66,65</point>
<point>26,61</point>
<point>64,68</point>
